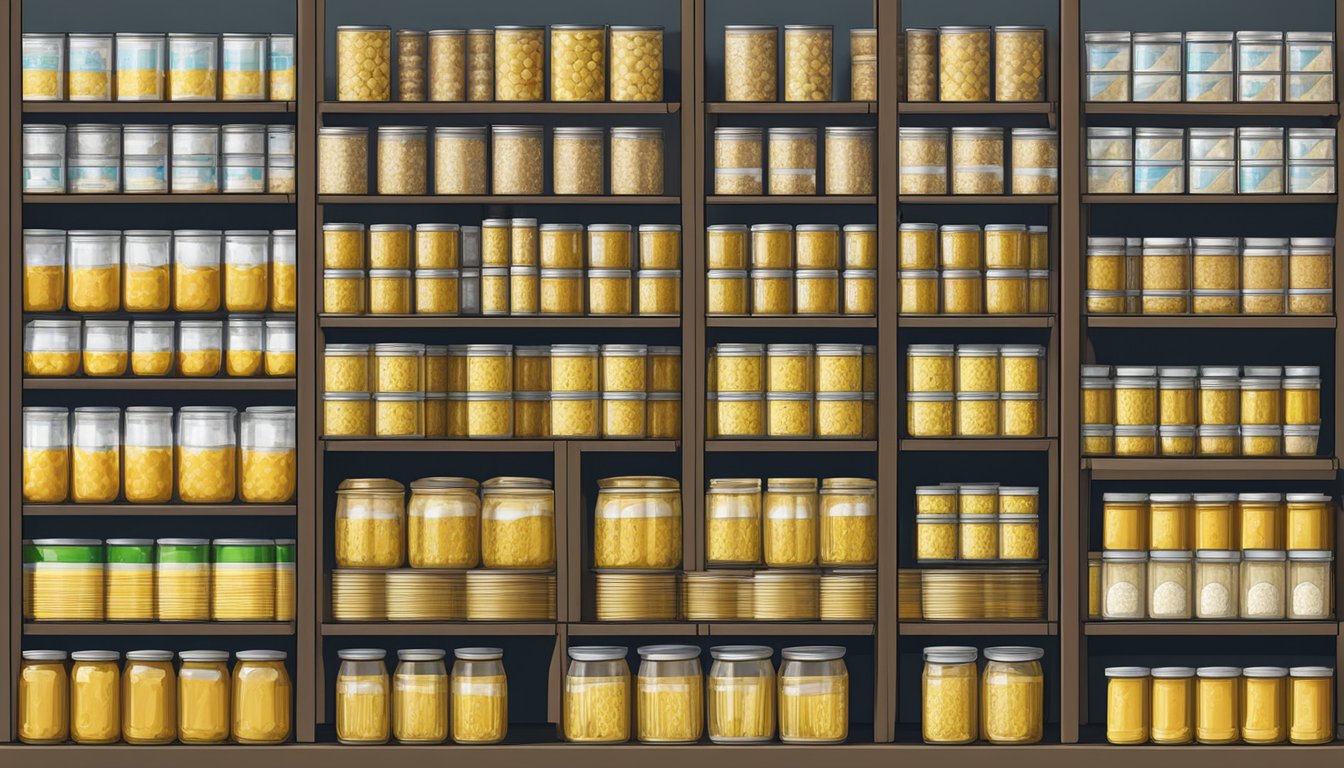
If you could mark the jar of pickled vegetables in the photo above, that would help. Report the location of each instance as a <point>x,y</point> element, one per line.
<point>44,698</point>
<point>67,580</point>
<point>95,691</point>
<point>370,523</point>
<point>149,698</point>
<point>741,695</point>
<point>597,695</point>
<point>203,697</point>
<point>362,697</point>
<point>669,695</point>
<point>517,523</point>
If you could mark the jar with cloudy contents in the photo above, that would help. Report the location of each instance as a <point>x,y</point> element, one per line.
<point>516,152</point>
<point>459,160</point>
<point>561,246</point>
<point>1170,585</point>
<point>1157,66</point>
<point>923,161</point>
<point>738,161</point>
<point>1309,588</point>
<point>1209,65</point>
<point>342,160</point>
<point>750,62</point>
<point>140,66</point>
<point>636,161</point>
<point>1310,66</point>
<point>1259,66</point>
<point>1108,60</point>
<point>561,291</point>
<point>1263,584</point>
<point>343,291</point>
<point>44,73</point>
<point>577,157</point>
<point>363,63</point>
<point>977,161</point>
<point>792,161</point>
<point>1035,153</point>
<point>519,63</point>
<point>859,246</point>
<point>578,66</point>
<point>447,68</point>
<point>921,64</point>
<point>849,160</point>
<point>1124,584</point>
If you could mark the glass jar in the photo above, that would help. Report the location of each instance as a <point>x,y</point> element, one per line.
<point>43,67</point>
<point>1309,585</point>
<point>637,523</point>
<point>149,698</point>
<point>363,63</point>
<point>370,524</point>
<point>95,271</point>
<point>91,64</point>
<point>578,164</point>
<point>95,690</point>
<point>1264,709</point>
<point>950,695</point>
<point>362,697</point>
<point>737,162</point>
<point>95,456</point>
<point>1309,521</point>
<point>963,63</point>
<point>243,72</point>
<point>1213,521</point>
<point>813,695</point>
<point>1263,575</point>
<point>1310,702</point>
<point>459,160</point>
<point>750,60</point>
<point>1128,705</point>
<point>517,523</point>
<point>1035,161</point>
<point>519,64</point>
<point>51,348</point>
<point>789,527</point>
<point>203,697</point>
<point>849,160</point>
<point>1012,696</point>
<point>1019,63</point>
<point>848,522</point>
<point>597,695</point>
<point>46,454</point>
<point>262,695</point>
<point>1124,584</point>
<point>140,66</point>
<point>401,162</point>
<point>1173,705</point>
<point>733,522</point>
<point>411,45</point>
<point>517,160</point>
<point>282,78</point>
<point>1217,584</point>
<point>146,259</point>
<point>420,697</point>
<point>148,460</point>
<point>636,161</point>
<point>578,68</point>
<point>268,470</point>
<point>1170,575</point>
<point>443,525</point>
<point>480,709</point>
<point>44,695</point>
<point>44,270</point>
<point>1259,66</point>
<point>196,267</point>
<point>129,586</point>
<point>670,695</point>
<point>741,707</point>
<point>977,161</point>
<point>343,159</point>
<point>1217,705</point>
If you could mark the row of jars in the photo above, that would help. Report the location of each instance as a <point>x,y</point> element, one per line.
<point>178,66</point>
<point>637,523</point>
<point>255,347</point>
<point>515,164</point>
<point>791,391</point>
<point>503,291</point>
<point>954,63</point>
<point>967,593</point>
<point>739,247</point>
<point>975,390</point>
<point>1210,161</point>
<point>163,580</point>
<point>424,595</point>
<point>791,524</point>
<point>1188,396</point>
<point>1003,704</point>
<point>1212,441</point>
<point>448,523</point>
<point>131,159</point>
<point>751,63</point>
<point>96,701</point>
<point>1210,66</point>
<point>158,270</point>
<point>977,537</point>
<point>506,63</point>
<point>1210,275</point>
<point>1234,521</point>
<point>1259,584</point>
<point>737,594</point>
<point>765,292</point>
<point>1220,705</point>
<point>928,247</point>
<point>96,458</point>
<point>741,168</point>
<point>972,292</point>
<point>977,161</point>
<point>496,369</point>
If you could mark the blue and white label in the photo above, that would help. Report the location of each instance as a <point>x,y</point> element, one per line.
<point>49,61</point>
<point>43,179</point>
<point>138,58</point>
<point>88,60</point>
<point>243,59</point>
<point>199,57</point>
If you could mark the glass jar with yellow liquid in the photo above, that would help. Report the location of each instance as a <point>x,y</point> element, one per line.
<point>196,270</point>
<point>147,460</point>
<point>94,277</point>
<point>741,695</point>
<point>246,346</point>
<point>95,686</point>
<point>43,698</point>
<point>444,523</point>
<point>149,698</point>
<point>281,341</point>
<point>107,345</point>
<point>268,455</point>
<point>44,253</point>
<point>362,697</point>
<point>200,347</point>
<point>246,270</point>
<point>813,695</point>
<point>182,580</point>
<point>146,260</point>
<point>420,697</point>
<point>46,454</point>
<point>480,696</point>
<point>152,347</point>
<point>206,454</point>
<point>284,271</point>
<point>1012,695</point>
<point>67,580</point>
<point>51,348</point>
<point>203,697</point>
<point>517,523</point>
<point>95,456</point>
<point>597,695</point>
<point>262,699</point>
<point>370,523</point>
<point>670,695</point>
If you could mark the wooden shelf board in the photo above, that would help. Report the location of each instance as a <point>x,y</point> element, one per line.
<point>497,108</point>
<point>141,383</point>
<point>439,628</point>
<point>791,200</point>
<point>979,199</point>
<point>419,445</point>
<point>1319,468</point>
<point>633,629</point>
<point>976,107</point>
<point>1215,628</point>
<point>160,107</point>
<point>1229,108</point>
<point>977,444</point>
<point>159,510</point>
<point>498,200</point>
<point>152,628</point>
<point>180,199</point>
<point>523,323</point>
<point>1210,199</point>
<point>790,446</point>
<point>789,628</point>
<point>791,107</point>
<point>976,321</point>
<point>627,446</point>
<point>1209,321</point>
<point>980,628</point>
<point>792,321</point>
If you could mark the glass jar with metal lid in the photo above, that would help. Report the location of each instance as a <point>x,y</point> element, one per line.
<point>519,63</point>
<point>950,692</point>
<point>738,162</point>
<point>44,697</point>
<point>578,69</point>
<point>517,523</point>
<point>1127,705</point>
<point>203,697</point>
<point>977,161</point>
<point>741,693</point>
<point>813,695</point>
<point>182,579</point>
<point>1310,703</point>
<point>848,522</point>
<point>363,63</point>
<point>1012,696</point>
<point>733,521</point>
<point>636,63</point>
<point>1310,66</point>
<point>420,697</point>
<point>1124,584</point>
<point>342,160</point>
<point>597,695</point>
<point>792,161</point>
<point>1263,584</point>
<point>1170,578</point>
<point>789,528</point>
<point>206,454</point>
<point>443,526</point>
<point>262,696</point>
<point>140,66</point>
<point>637,523</point>
<point>1310,584</point>
<point>670,695</point>
<point>459,160</point>
<point>480,710</point>
<point>849,160</point>
<point>244,60</point>
<point>362,697</point>
<point>95,692</point>
<point>750,62</point>
<point>1264,708</point>
<point>44,74</point>
<point>1217,578</point>
<point>963,63</point>
<point>636,161</point>
<point>1217,705</point>
<point>577,156</point>
<point>149,698</point>
<point>370,523</point>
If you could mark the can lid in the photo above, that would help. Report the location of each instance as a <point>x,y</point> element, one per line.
<point>1265,672</point>
<point>1013,653</point>
<point>204,656</point>
<point>598,652</point>
<point>1311,671</point>
<point>479,654</point>
<point>362,654</point>
<point>1218,672</point>
<point>421,654</point>
<point>44,655</point>
<point>149,655</point>
<point>262,655</point>
<point>1173,672</point>
<point>95,656</point>
<point>1127,672</point>
<point>740,652</point>
<point>669,652</point>
<point>950,654</point>
<point>813,653</point>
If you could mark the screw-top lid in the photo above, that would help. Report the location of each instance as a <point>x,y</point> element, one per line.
<point>950,654</point>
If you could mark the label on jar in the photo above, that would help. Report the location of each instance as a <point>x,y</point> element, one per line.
<point>137,57</point>
<point>45,60</point>
<point>196,57</point>
<point>88,60</point>
<point>242,58</point>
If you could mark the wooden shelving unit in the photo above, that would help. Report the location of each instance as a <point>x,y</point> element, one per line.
<point>886,649</point>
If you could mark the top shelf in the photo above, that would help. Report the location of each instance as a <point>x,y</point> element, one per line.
<point>791,107</point>
<point>498,107</point>
<point>1228,108</point>
<point>156,107</point>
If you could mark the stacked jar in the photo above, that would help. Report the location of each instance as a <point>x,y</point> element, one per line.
<point>793,391</point>
<point>145,159</point>
<point>195,165</point>
<point>793,270</point>
<point>1219,705</point>
<point>977,160</point>
<point>1002,705</point>
<point>961,269</point>
<point>954,64</point>
<point>637,546</point>
<point>791,525</point>
<point>740,167</point>
<point>1205,411</point>
<point>863,64</point>
<point>977,522</point>
<point>93,158</point>
<point>44,159</point>
<point>975,390</point>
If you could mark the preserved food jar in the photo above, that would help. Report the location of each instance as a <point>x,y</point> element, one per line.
<point>129,587</point>
<point>444,523</point>
<point>578,164</point>
<point>437,246</point>
<point>578,62</point>
<point>149,698</point>
<point>203,697</point>
<point>411,55</point>
<point>1264,710</point>
<point>519,65</point>
<point>733,522</point>
<point>246,273</point>
<point>813,695</point>
<point>146,257</point>
<point>624,367</point>
<point>1310,66</point>
<point>370,524</point>
<point>741,695</point>
<point>51,348</point>
<point>200,348</point>
<point>517,523</point>
<point>637,523</point>
<point>659,292</point>
<point>363,63</point>
<point>1263,576</point>
<point>950,695</point>
<point>196,266</point>
<point>95,685</point>
<point>963,63</point>
<point>517,160</point>
<point>1170,575</point>
<point>849,160</point>
<point>280,343</point>
<point>44,695</point>
<point>46,454</point>
<point>1310,701</point>
<point>1128,705</point>
<point>1310,578</point>
<point>750,62</point>
<point>399,414</point>
<point>43,270</point>
<point>268,455</point>
<point>737,164</point>
<point>1217,705</point>
<point>342,160</point>
<point>1035,161</point>
<point>1124,584</point>
<point>480,709</point>
<point>481,65</point>
<point>43,67</point>
<point>1173,705</point>
<point>95,271</point>
<point>95,457</point>
<point>347,414</point>
<point>140,66</point>
<point>90,65</point>
<point>977,161</point>
<point>182,579</point>
<point>789,528</point>
<point>389,291</point>
<point>1309,521</point>
<point>636,63</point>
<point>402,154</point>
<point>848,522</point>
<point>283,80</point>
<point>243,71</point>
<point>148,459</point>
<point>67,580</point>
<point>793,161</point>
<point>670,695</point>
<point>1019,64</point>
<point>1012,696</point>
<point>262,696</point>
<point>420,697</point>
<point>597,695</point>
<point>346,367</point>
<point>789,368</point>
<point>636,161</point>
<point>1259,66</point>
<point>362,697</point>
<point>459,160</point>
<point>206,454</point>
<point>807,62</point>
<point>936,537</point>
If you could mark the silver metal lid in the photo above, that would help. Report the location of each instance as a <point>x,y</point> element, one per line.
<point>1013,653</point>
<point>362,654</point>
<point>950,654</point>
<point>421,654</point>
<point>669,652</point>
<point>740,652</point>
<point>598,653</point>
<point>204,656</point>
<point>479,654</point>
<point>1127,672</point>
<point>813,653</point>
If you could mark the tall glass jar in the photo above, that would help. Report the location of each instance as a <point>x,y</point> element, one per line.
<point>517,160</point>
<point>206,454</point>
<point>268,470</point>
<point>951,695</point>
<point>597,695</point>
<point>443,525</point>
<point>149,698</point>
<point>789,529</point>
<point>637,161</point>
<point>95,460</point>
<point>203,697</point>
<point>44,698</point>
<point>578,68</point>
<point>370,523</point>
<point>670,695</point>
<point>420,697</point>
<point>848,522</point>
<point>94,277</point>
<point>1311,704</point>
<point>46,454</point>
<point>362,697</point>
<point>480,696</point>
<point>637,523</point>
<point>636,63</point>
<point>750,62</point>
<point>95,683</point>
<point>1264,708</point>
<point>813,695</point>
<point>1012,707</point>
<point>517,523</point>
<point>146,263</point>
<point>519,65</point>
<point>1127,705</point>
<point>363,63</point>
<point>741,708</point>
<point>807,62</point>
<point>262,698</point>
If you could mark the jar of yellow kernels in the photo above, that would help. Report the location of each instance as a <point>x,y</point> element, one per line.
<point>342,160</point>
<point>664,415</point>
<point>839,415</point>
<point>106,347</point>
<point>1012,696</point>
<point>963,63</point>
<point>343,246</point>
<point>726,246</point>
<point>578,62</point>
<point>147,460</point>
<point>624,368</point>
<point>789,522</point>
<point>516,160</point>
<point>1019,63</point>
<point>43,66</point>
<point>246,270</point>
<point>636,161</point>
<point>919,291</point>
<point>90,67</point>
<point>151,347</point>
<point>390,246</point>
<point>817,246</point>
<point>859,292</point>
<point>51,348</point>
<point>597,696</point>
<point>95,456</point>
<point>268,469</point>
<point>399,414</point>
<point>145,283</point>
<point>963,292</point>
<point>517,523</point>
<point>192,65</point>
<point>660,246</point>
<point>519,66</point>
<point>43,270</point>
<point>636,63</point>
<point>789,368</point>
<point>930,368</point>
<point>283,81</point>
<point>839,368</point>
<point>807,62</point>
<point>665,369</point>
<point>733,522</point>
<point>739,368</point>
<point>389,291</point>
<point>1022,414</point>
<point>1302,400</point>
<point>363,63</point>
<point>399,367</point>
<point>919,246</point>
<point>977,161</point>
<point>860,246</point>
<point>575,368</point>
<point>637,523</point>
<point>1261,401</point>
<point>95,271</point>
<point>813,695</point>
<point>788,414</point>
<point>245,59</point>
<point>738,415</point>
<point>977,414</point>
<point>750,53</point>
<point>849,153</point>
<point>437,246</point>
<point>848,522</point>
<point>659,292</point>
<point>929,414</point>
<point>343,291</point>
<point>347,414</point>
<point>140,66</point>
<point>196,270</point>
<point>370,523</point>
<point>444,523</point>
<point>495,291</point>
<point>436,291</point>
<point>206,454</point>
<point>561,246</point>
<point>447,65</point>
<point>726,292</point>
<point>200,347</point>
<point>816,291</point>
<point>489,368</point>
